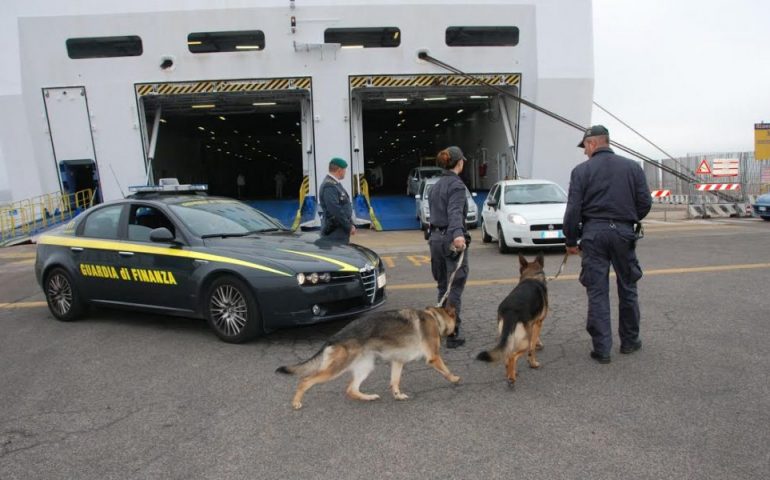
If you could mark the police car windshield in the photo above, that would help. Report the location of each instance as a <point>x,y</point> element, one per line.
<point>533,194</point>
<point>224,218</point>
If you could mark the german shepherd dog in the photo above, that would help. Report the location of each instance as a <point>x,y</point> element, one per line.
<point>396,336</point>
<point>519,319</point>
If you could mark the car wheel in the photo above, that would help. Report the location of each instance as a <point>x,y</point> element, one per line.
<point>485,237</point>
<point>62,296</point>
<point>767,219</point>
<point>501,245</point>
<point>231,310</point>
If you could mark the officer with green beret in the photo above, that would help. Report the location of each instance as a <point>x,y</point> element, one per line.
<point>337,221</point>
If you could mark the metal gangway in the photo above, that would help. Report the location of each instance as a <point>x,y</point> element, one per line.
<point>21,220</point>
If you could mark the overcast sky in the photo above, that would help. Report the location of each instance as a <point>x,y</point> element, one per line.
<point>691,75</point>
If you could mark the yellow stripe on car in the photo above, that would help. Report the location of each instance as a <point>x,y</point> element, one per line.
<point>346,267</point>
<point>133,247</point>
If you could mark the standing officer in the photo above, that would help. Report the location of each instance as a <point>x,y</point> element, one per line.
<point>448,208</point>
<point>337,221</point>
<point>609,195</point>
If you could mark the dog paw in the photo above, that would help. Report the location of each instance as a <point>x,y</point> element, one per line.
<point>534,364</point>
<point>511,382</point>
<point>369,398</point>
<point>454,379</point>
<point>400,396</point>
<point>296,405</point>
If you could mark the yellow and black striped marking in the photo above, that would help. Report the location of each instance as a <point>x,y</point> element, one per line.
<point>223,86</point>
<point>403,81</point>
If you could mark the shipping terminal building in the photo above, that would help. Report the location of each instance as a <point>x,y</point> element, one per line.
<point>254,98</point>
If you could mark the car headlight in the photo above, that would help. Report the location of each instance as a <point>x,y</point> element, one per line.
<point>313,278</point>
<point>517,219</point>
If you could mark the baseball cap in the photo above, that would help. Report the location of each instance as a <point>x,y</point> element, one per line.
<point>594,131</point>
<point>455,153</point>
<point>338,162</point>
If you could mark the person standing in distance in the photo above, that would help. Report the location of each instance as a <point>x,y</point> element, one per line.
<point>337,222</point>
<point>609,195</point>
<point>448,208</point>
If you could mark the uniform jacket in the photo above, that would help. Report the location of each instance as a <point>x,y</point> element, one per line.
<point>605,187</point>
<point>338,211</point>
<point>448,205</point>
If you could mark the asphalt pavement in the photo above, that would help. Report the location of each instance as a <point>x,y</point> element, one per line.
<point>132,396</point>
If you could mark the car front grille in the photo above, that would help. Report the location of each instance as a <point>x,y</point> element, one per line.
<point>548,241</point>
<point>369,281</point>
<point>545,227</point>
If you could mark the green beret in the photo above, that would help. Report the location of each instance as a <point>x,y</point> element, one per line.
<point>338,162</point>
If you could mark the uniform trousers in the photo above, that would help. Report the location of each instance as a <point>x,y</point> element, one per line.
<point>604,243</point>
<point>443,261</point>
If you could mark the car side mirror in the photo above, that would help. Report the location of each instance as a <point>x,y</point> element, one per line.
<point>162,235</point>
<point>492,203</point>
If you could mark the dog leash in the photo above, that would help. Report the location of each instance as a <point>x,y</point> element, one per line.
<point>561,268</point>
<point>451,279</point>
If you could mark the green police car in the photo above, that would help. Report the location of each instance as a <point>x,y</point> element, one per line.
<point>175,250</point>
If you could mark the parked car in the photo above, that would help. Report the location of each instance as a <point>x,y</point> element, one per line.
<point>422,209</point>
<point>762,206</point>
<point>418,174</point>
<point>524,214</point>
<point>189,254</point>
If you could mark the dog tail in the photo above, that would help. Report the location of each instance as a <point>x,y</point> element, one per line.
<point>310,365</point>
<point>490,355</point>
<point>496,353</point>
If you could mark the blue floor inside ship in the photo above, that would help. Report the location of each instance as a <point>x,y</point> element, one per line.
<point>395,212</point>
<point>283,210</point>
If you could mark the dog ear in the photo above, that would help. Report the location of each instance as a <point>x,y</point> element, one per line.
<point>522,261</point>
<point>540,259</point>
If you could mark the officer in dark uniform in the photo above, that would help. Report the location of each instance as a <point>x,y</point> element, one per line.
<point>337,221</point>
<point>448,208</point>
<point>609,196</point>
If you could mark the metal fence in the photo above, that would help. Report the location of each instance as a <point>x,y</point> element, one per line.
<point>749,174</point>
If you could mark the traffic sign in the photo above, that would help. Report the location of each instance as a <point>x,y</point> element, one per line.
<point>703,168</point>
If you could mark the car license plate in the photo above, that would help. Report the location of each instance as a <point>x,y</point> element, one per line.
<point>762,209</point>
<point>552,234</point>
<point>381,280</point>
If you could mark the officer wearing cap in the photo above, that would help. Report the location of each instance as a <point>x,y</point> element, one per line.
<point>337,221</point>
<point>609,196</point>
<point>448,208</point>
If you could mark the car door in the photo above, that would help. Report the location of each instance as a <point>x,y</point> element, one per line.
<point>490,214</point>
<point>159,273</point>
<point>96,253</point>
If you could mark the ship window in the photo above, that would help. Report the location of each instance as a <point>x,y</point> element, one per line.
<point>102,47</point>
<point>482,36</point>
<point>236,41</point>
<point>373,37</point>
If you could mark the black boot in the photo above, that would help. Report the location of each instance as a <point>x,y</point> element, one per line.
<point>456,339</point>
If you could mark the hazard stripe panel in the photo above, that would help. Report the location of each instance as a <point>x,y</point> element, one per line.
<point>403,81</point>
<point>301,83</point>
<point>710,187</point>
<point>660,193</point>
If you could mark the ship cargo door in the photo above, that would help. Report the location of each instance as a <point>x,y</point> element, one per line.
<point>69,126</point>
<point>248,139</point>
<point>400,122</point>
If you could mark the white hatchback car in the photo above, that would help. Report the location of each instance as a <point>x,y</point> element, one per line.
<point>524,214</point>
<point>422,210</point>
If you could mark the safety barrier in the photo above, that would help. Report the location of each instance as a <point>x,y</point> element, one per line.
<point>304,190</point>
<point>27,217</point>
<point>363,189</point>
<point>705,205</point>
